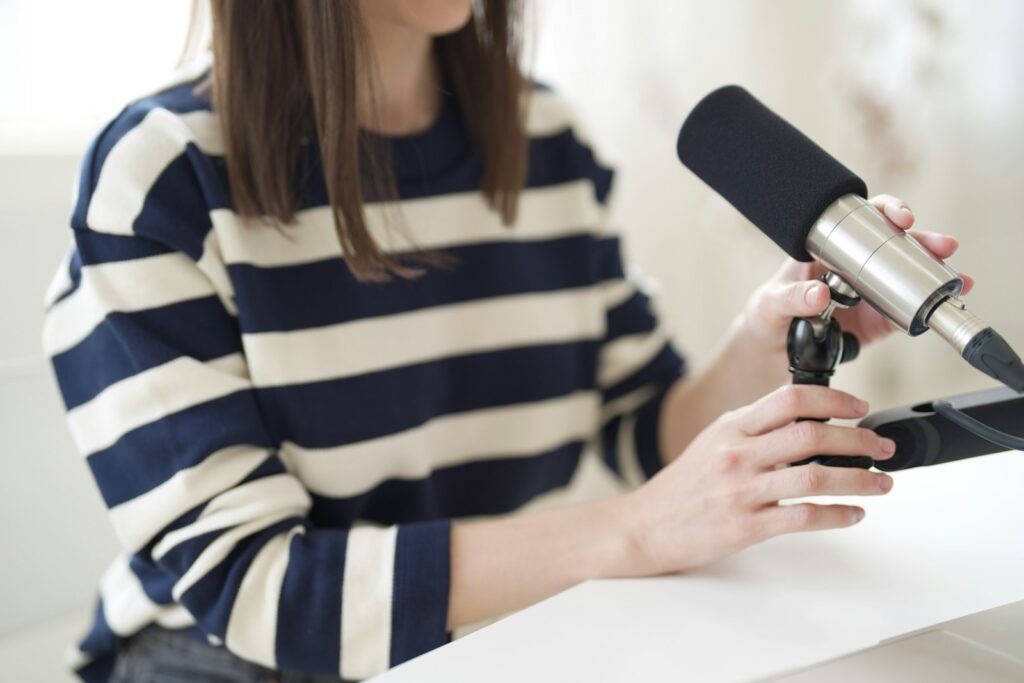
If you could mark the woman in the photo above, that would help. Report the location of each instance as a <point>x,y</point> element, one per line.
<point>356,283</point>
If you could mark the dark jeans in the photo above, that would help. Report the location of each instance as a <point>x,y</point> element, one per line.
<point>159,655</point>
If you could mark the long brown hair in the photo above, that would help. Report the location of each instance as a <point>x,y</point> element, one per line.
<point>285,68</point>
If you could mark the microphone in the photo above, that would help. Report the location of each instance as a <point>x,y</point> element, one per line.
<point>815,208</point>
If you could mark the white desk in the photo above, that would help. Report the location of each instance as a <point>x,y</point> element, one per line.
<point>948,541</point>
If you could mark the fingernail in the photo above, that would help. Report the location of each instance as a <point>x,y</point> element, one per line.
<point>813,294</point>
<point>884,482</point>
<point>888,446</point>
<point>861,407</point>
<point>858,514</point>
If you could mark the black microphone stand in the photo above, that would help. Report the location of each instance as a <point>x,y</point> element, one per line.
<point>816,346</point>
<point>925,434</point>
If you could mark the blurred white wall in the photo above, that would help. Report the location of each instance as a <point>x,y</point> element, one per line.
<point>924,98</point>
<point>943,127</point>
<point>65,68</point>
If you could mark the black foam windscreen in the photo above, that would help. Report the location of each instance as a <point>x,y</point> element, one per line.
<point>771,172</point>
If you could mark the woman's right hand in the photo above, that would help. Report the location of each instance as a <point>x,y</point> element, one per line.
<point>722,494</point>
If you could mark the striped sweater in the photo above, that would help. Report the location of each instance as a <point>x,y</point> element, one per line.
<point>282,449</point>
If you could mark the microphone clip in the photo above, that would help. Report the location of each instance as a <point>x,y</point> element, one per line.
<point>815,346</point>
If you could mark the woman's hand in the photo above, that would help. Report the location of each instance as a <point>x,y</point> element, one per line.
<point>752,361</point>
<point>722,494</point>
<point>794,292</point>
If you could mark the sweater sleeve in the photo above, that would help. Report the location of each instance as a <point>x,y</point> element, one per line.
<point>149,360</point>
<point>637,361</point>
<point>637,364</point>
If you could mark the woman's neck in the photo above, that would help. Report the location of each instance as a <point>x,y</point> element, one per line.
<point>405,96</point>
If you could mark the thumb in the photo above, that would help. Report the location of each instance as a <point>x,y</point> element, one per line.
<point>780,304</point>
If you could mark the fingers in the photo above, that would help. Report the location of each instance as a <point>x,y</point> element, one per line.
<point>805,439</point>
<point>819,480</point>
<point>786,404</point>
<point>943,246</point>
<point>895,209</point>
<point>797,300</point>
<point>785,519</point>
<point>968,282</point>
<point>792,293</point>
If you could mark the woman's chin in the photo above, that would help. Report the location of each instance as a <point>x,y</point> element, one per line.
<point>432,17</point>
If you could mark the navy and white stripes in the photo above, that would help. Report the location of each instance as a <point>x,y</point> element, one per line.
<point>282,448</point>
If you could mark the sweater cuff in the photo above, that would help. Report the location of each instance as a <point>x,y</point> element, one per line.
<point>646,434</point>
<point>422,581</point>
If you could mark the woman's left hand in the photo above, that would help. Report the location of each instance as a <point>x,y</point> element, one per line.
<point>795,292</point>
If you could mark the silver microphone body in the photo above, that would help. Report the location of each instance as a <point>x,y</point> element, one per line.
<point>890,270</point>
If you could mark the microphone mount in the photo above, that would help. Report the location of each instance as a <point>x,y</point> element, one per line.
<point>817,345</point>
